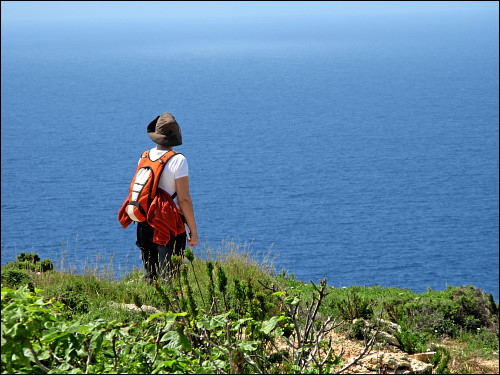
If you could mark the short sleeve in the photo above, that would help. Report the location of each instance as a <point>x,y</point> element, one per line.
<point>179,166</point>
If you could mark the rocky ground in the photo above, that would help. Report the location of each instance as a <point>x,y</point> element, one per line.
<point>388,359</point>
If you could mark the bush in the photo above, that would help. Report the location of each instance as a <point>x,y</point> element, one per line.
<point>30,262</point>
<point>46,265</point>
<point>16,278</point>
<point>448,313</point>
<point>74,294</point>
<point>358,329</point>
<point>440,360</point>
<point>28,257</point>
<point>410,340</point>
<point>473,308</point>
<point>354,306</point>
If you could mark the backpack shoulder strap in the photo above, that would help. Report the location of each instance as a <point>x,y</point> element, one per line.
<point>164,159</point>
<point>167,156</point>
<point>158,166</point>
<point>143,160</point>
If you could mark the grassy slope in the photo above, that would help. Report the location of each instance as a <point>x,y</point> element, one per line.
<point>90,294</point>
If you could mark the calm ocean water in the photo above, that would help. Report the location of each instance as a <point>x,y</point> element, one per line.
<point>366,155</point>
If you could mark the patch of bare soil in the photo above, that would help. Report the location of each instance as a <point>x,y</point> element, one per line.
<point>458,363</point>
<point>463,363</point>
<point>350,349</point>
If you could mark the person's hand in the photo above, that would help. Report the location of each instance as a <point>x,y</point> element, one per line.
<point>193,240</point>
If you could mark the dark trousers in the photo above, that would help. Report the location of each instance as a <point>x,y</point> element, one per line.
<point>157,259</point>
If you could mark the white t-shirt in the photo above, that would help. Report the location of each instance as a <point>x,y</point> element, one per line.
<point>176,167</point>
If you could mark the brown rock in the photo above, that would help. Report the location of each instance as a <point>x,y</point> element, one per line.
<point>400,363</point>
<point>424,357</point>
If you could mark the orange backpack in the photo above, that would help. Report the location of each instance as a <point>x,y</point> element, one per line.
<point>144,184</point>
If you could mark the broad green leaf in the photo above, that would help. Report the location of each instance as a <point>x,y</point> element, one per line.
<point>291,300</point>
<point>169,316</point>
<point>52,336</point>
<point>96,341</point>
<point>176,339</point>
<point>212,322</point>
<point>238,324</point>
<point>269,325</point>
<point>248,346</point>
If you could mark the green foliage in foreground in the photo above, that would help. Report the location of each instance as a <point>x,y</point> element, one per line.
<point>223,315</point>
<point>36,337</point>
<point>36,340</point>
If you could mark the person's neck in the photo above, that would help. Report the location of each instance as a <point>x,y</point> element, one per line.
<point>166,148</point>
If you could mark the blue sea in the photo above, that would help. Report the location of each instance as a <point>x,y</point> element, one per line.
<point>359,147</point>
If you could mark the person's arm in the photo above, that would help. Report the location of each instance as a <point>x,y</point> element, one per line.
<point>186,206</point>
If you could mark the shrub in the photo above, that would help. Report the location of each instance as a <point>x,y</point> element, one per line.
<point>28,257</point>
<point>447,313</point>
<point>75,293</point>
<point>358,329</point>
<point>16,278</point>
<point>354,306</point>
<point>440,360</point>
<point>474,308</point>
<point>30,262</point>
<point>46,265</point>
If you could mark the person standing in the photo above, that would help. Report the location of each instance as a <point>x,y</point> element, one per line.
<point>157,249</point>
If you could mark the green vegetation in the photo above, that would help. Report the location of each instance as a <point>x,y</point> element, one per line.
<point>227,313</point>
